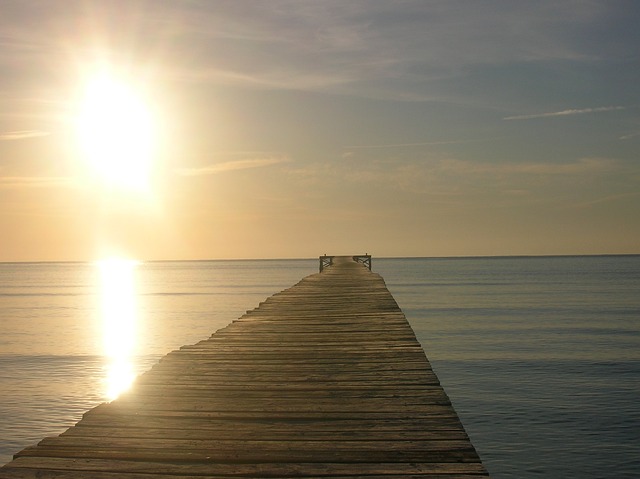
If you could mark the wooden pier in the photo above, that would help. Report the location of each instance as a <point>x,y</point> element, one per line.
<point>325,379</point>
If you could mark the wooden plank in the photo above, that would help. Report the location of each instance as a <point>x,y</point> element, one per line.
<point>271,469</point>
<point>241,432</point>
<point>230,392</point>
<point>348,425</point>
<point>325,379</point>
<point>265,451</point>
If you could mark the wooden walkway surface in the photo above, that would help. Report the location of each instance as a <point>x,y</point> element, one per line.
<point>325,379</point>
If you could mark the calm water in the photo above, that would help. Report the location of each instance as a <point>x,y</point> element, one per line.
<point>540,356</point>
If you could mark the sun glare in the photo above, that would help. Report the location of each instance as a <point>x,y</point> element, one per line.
<point>119,318</point>
<point>115,130</point>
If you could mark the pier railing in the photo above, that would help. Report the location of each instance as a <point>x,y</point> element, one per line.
<point>326,261</point>
<point>365,259</point>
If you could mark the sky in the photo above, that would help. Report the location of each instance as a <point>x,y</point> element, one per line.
<point>291,129</point>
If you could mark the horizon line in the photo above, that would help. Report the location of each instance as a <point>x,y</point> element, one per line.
<point>507,256</point>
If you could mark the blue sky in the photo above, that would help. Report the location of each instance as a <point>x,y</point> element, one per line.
<point>295,128</point>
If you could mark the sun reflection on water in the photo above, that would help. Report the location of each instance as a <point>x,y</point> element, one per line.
<point>119,318</point>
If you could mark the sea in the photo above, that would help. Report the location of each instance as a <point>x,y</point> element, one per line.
<point>540,356</point>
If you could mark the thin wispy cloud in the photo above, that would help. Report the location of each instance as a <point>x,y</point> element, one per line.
<point>451,176</point>
<point>629,136</point>
<point>371,49</point>
<point>265,79</point>
<point>581,166</point>
<point>232,166</point>
<point>582,111</point>
<point>22,134</point>
<point>607,199</point>
<point>36,182</point>
<point>407,145</point>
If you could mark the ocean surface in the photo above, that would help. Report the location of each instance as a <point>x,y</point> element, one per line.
<point>539,355</point>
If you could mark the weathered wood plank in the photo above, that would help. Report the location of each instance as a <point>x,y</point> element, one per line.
<point>229,392</point>
<point>266,427</point>
<point>242,432</point>
<point>265,451</point>
<point>435,412</point>
<point>272,469</point>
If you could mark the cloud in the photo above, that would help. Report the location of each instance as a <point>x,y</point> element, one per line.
<point>629,136</point>
<point>364,48</point>
<point>376,49</point>
<point>232,166</point>
<point>580,166</point>
<point>405,145</point>
<point>36,182</point>
<point>565,113</point>
<point>607,199</point>
<point>22,134</point>
<point>268,78</point>
<point>453,178</point>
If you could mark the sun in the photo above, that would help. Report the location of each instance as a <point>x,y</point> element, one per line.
<point>115,131</point>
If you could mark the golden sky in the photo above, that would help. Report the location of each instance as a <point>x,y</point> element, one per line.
<point>241,129</point>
